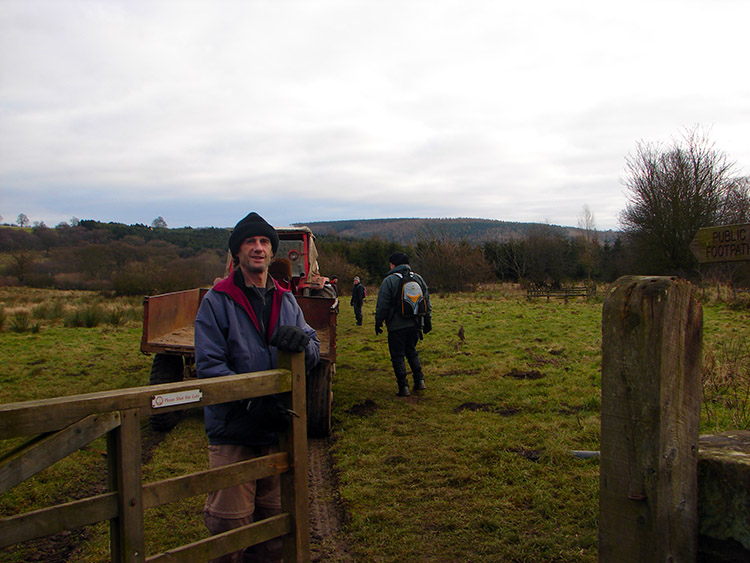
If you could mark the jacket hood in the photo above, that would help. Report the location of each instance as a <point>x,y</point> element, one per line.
<point>400,268</point>
<point>235,293</point>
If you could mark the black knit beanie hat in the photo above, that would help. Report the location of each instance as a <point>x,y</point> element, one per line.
<point>398,258</point>
<point>252,225</point>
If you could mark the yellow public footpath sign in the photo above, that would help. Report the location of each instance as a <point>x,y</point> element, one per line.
<point>725,243</point>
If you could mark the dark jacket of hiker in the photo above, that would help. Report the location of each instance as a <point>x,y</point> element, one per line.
<point>386,309</point>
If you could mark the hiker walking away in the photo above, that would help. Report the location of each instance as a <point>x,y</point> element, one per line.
<point>241,324</point>
<point>404,306</point>
<point>358,297</point>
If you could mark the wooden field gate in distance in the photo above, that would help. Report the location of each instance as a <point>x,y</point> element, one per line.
<point>60,426</point>
<point>588,291</point>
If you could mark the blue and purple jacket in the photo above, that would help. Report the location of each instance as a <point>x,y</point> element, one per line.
<point>228,340</point>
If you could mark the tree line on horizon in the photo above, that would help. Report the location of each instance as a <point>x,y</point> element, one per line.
<point>673,192</point>
<point>131,260</point>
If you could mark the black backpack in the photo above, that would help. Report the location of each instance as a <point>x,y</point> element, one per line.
<point>411,301</point>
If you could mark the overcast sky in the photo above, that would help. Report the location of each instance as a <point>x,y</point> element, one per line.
<point>201,111</point>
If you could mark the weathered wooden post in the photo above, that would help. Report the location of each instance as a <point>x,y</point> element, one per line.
<point>651,396</point>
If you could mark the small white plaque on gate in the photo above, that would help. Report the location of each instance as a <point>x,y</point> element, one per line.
<point>179,398</point>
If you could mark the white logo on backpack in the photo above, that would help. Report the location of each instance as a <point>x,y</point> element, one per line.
<point>411,296</point>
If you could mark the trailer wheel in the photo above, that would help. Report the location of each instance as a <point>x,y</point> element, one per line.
<point>320,399</point>
<point>166,368</point>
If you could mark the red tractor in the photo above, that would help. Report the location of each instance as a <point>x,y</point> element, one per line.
<point>168,327</point>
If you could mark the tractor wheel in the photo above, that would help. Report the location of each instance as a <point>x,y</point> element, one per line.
<point>166,368</point>
<point>320,399</point>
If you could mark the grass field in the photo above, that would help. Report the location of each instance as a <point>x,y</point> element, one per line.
<point>476,468</point>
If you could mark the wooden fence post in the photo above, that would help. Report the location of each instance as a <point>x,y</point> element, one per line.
<point>650,415</point>
<point>124,460</point>
<point>294,493</point>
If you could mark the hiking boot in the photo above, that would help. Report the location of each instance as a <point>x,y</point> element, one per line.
<point>419,385</point>
<point>403,391</point>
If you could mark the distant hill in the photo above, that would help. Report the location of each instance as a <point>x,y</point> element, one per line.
<point>408,231</point>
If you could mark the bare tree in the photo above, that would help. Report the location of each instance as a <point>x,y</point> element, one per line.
<point>20,246</point>
<point>590,241</point>
<point>22,220</point>
<point>20,263</point>
<point>47,237</point>
<point>548,256</point>
<point>738,205</point>
<point>159,223</point>
<point>508,258</point>
<point>450,265</point>
<point>673,193</point>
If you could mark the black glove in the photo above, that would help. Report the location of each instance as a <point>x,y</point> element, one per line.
<point>378,329</point>
<point>290,338</point>
<point>427,324</point>
<point>269,413</point>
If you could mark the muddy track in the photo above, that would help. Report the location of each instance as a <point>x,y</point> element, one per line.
<point>326,513</point>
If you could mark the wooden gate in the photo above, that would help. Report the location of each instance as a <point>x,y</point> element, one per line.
<point>60,426</point>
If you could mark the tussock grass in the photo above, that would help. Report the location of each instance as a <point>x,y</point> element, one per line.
<point>71,309</point>
<point>53,310</point>
<point>21,321</point>
<point>87,317</point>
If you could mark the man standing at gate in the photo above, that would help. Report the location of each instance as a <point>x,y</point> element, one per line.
<point>405,325</point>
<point>241,324</point>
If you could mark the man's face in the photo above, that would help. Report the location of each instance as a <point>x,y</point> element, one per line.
<point>255,254</point>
